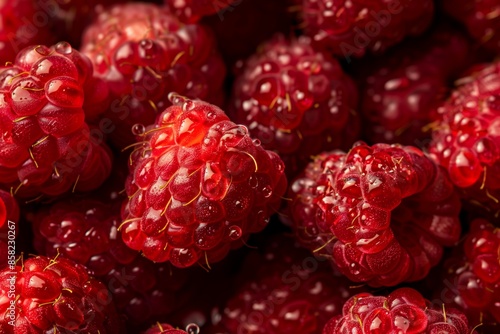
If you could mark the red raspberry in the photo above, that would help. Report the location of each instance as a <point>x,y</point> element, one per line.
<point>69,18</point>
<point>22,23</point>
<point>55,296</point>
<point>168,329</point>
<point>143,53</point>
<point>481,17</point>
<point>401,89</point>
<point>46,146</point>
<point>351,27</point>
<point>402,311</point>
<point>193,10</point>
<point>466,139</point>
<point>86,232</point>
<point>382,213</point>
<point>9,211</point>
<point>474,273</point>
<point>198,186</point>
<point>284,290</point>
<point>296,101</point>
<point>241,28</point>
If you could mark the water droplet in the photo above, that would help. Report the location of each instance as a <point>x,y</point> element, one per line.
<point>192,329</point>
<point>238,205</point>
<point>146,44</point>
<point>253,182</point>
<point>64,48</point>
<point>138,129</point>
<point>188,105</point>
<point>234,232</point>
<point>256,142</point>
<point>211,115</point>
<point>267,191</point>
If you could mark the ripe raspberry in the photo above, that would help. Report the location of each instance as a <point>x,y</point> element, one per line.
<point>466,140</point>
<point>46,146</point>
<point>8,211</point>
<point>382,213</point>
<point>481,18</point>
<point>401,89</point>
<point>55,296</point>
<point>85,231</point>
<point>296,101</point>
<point>192,10</point>
<point>284,290</point>
<point>474,273</point>
<point>350,28</point>
<point>22,24</point>
<point>198,186</point>
<point>69,18</point>
<point>240,30</point>
<point>402,311</point>
<point>143,53</point>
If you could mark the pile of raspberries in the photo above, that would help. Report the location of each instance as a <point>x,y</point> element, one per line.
<point>250,167</point>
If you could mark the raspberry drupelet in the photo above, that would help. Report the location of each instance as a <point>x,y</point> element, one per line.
<point>198,186</point>
<point>193,10</point>
<point>403,311</point>
<point>55,295</point>
<point>350,28</point>
<point>46,147</point>
<point>143,52</point>
<point>296,101</point>
<point>85,231</point>
<point>381,213</point>
<point>466,138</point>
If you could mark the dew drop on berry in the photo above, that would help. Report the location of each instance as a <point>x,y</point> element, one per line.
<point>256,142</point>
<point>192,329</point>
<point>235,232</point>
<point>188,105</point>
<point>64,48</point>
<point>211,115</point>
<point>138,129</point>
<point>267,191</point>
<point>253,182</point>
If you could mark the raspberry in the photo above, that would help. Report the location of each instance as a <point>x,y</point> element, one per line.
<point>401,89</point>
<point>381,213</point>
<point>466,140</point>
<point>193,10</point>
<point>85,231</point>
<point>350,28</point>
<point>143,53</point>
<point>239,29</point>
<point>402,311</point>
<point>20,27</point>
<point>296,101</point>
<point>481,18</point>
<point>285,290</point>
<point>474,273</point>
<point>9,211</point>
<point>55,296</point>
<point>46,146</point>
<point>168,329</point>
<point>198,186</point>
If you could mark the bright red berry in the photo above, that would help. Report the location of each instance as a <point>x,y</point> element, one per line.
<point>402,311</point>
<point>162,328</point>
<point>466,138</point>
<point>351,27</point>
<point>401,89</point>
<point>283,290</point>
<point>143,52</point>
<point>381,213</point>
<point>296,101</point>
<point>46,145</point>
<point>473,272</point>
<point>9,219</point>
<point>198,186</point>
<point>193,10</point>
<point>22,23</point>
<point>55,296</point>
<point>86,232</point>
<point>480,17</point>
